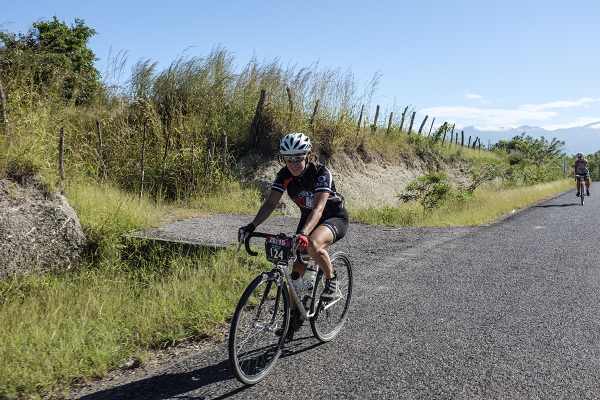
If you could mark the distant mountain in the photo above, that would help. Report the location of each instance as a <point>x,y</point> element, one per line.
<point>585,139</point>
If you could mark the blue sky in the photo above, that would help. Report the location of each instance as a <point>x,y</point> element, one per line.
<point>482,63</point>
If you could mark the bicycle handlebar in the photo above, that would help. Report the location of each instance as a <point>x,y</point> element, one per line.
<point>261,235</point>
<point>250,236</point>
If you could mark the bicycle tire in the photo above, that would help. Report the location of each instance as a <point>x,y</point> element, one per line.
<point>581,194</point>
<point>243,365</point>
<point>343,268</point>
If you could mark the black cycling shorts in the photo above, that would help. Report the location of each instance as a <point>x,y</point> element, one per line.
<point>338,224</point>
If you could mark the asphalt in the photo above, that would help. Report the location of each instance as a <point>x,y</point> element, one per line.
<point>506,311</point>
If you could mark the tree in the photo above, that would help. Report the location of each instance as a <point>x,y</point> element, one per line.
<point>537,150</point>
<point>53,53</point>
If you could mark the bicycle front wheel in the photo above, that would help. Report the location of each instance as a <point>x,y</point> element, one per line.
<point>254,345</point>
<point>329,318</point>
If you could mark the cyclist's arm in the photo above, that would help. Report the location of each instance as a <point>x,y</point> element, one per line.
<point>267,207</point>
<point>316,213</point>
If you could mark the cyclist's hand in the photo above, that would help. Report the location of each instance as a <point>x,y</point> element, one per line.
<point>302,242</point>
<point>245,231</point>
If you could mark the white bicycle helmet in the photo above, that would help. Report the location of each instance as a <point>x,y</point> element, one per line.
<point>293,144</point>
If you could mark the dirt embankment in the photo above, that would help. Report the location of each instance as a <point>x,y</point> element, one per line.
<point>366,183</point>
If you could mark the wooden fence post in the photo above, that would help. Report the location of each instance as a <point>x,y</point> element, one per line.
<point>314,115</point>
<point>389,123</point>
<point>290,99</point>
<point>254,128</point>
<point>402,118</point>
<point>193,179</point>
<point>100,151</point>
<point>61,158</point>
<point>290,105</point>
<point>412,119</point>
<point>423,124</point>
<point>469,145</point>
<point>167,136</point>
<point>374,126</point>
<point>4,114</point>
<point>444,138</point>
<point>360,117</point>
<point>451,137</point>
<point>142,158</point>
<point>431,127</point>
<point>462,138</point>
<point>225,151</point>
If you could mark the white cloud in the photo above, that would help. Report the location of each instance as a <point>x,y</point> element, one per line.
<point>583,102</point>
<point>504,118</point>
<point>489,118</point>
<point>473,96</point>
<point>581,121</point>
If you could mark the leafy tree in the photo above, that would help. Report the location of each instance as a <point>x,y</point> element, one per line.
<point>54,53</point>
<point>525,147</point>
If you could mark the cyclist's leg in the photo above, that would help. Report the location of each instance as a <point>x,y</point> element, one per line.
<point>320,239</point>
<point>588,183</point>
<point>299,267</point>
<point>329,231</point>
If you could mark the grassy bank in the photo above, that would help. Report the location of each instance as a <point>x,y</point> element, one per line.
<point>486,205</point>
<point>58,329</point>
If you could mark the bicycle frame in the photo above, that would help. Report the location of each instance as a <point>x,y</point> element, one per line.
<point>282,270</point>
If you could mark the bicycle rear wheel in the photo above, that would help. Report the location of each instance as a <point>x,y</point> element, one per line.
<point>254,346</point>
<point>329,318</point>
<point>581,186</point>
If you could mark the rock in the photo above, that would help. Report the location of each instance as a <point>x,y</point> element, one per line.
<point>39,231</point>
<point>132,363</point>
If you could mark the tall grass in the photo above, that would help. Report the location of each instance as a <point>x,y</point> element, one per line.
<point>189,111</point>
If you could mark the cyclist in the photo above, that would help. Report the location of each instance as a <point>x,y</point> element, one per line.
<point>323,220</point>
<point>581,168</point>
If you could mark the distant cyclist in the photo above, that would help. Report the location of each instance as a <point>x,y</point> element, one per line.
<point>581,168</point>
<point>323,220</point>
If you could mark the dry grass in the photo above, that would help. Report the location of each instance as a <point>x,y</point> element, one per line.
<point>485,206</point>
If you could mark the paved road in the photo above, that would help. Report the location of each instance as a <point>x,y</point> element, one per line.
<point>510,310</point>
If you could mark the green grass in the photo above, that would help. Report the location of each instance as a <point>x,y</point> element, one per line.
<point>485,206</point>
<point>60,328</point>
<point>231,198</point>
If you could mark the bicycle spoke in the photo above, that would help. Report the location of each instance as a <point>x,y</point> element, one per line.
<point>253,344</point>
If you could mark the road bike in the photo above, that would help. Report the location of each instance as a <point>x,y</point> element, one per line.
<point>261,320</point>
<point>581,187</point>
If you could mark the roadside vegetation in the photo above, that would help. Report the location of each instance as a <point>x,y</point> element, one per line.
<point>196,122</point>
<point>60,328</point>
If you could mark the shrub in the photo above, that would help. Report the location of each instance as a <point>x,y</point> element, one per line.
<point>431,190</point>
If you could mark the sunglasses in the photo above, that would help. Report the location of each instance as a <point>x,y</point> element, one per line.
<point>294,159</point>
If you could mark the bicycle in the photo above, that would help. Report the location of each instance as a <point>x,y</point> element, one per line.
<point>581,187</point>
<point>263,311</point>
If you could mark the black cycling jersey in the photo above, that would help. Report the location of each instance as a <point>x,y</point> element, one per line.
<point>316,178</point>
